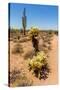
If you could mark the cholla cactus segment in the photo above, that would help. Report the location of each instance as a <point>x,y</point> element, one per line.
<point>39,66</point>
<point>33,31</point>
<point>41,55</point>
<point>38,61</point>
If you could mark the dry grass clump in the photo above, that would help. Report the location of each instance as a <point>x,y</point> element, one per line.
<point>17,49</point>
<point>24,39</point>
<point>46,37</point>
<point>56,33</point>
<point>19,78</point>
<point>29,54</point>
<point>15,40</point>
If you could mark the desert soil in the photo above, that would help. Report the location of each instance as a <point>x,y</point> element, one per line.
<point>17,61</point>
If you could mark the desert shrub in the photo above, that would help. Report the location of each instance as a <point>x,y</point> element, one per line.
<point>50,32</point>
<point>56,33</point>
<point>29,54</point>
<point>38,64</point>
<point>19,78</point>
<point>24,39</point>
<point>17,49</point>
<point>14,74</point>
<point>46,46</point>
<point>15,40</point>
<point>47,41</point>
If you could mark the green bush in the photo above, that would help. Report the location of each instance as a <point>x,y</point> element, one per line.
<point>38,64</point>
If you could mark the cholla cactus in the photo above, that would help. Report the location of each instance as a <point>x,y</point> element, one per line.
<point>38,61</point>
<point>33,33</point>
<point>38,64</point>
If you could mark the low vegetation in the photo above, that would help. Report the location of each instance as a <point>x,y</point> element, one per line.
<point>17,49</point>
<point>35,56</point>
<point>19,78</point>
<point>29,54</point>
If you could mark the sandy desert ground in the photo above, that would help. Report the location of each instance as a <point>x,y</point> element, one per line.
<point>18,62</point>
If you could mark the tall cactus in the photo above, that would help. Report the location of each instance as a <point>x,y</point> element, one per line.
<point>24,21</point>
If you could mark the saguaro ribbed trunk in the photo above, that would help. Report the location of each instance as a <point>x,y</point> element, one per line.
<point>24,21</point>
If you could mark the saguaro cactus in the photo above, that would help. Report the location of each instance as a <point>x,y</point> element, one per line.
<point>24,21</point>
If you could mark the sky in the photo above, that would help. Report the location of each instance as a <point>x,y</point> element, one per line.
<point>40,16</point>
